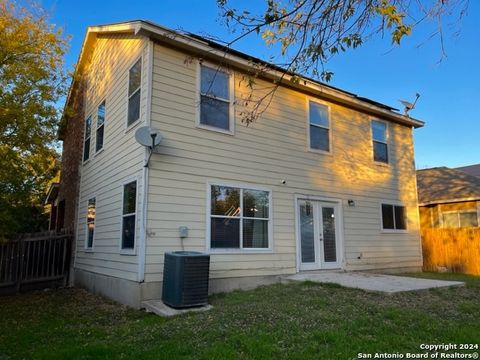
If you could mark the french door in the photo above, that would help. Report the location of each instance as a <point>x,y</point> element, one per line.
<point>318,234</point>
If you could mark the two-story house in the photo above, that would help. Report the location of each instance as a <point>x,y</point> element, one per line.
<point>324,179</point>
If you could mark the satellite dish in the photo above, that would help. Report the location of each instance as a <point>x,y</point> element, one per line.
<point>148,137</point>
<point>408,105</point>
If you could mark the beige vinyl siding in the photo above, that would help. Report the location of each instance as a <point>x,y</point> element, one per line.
<point>121,159</point>
<point>273,148</point>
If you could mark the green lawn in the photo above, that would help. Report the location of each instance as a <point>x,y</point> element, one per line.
<point>294,321</point>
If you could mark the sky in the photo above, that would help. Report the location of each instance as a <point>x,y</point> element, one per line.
<point>450,88</point>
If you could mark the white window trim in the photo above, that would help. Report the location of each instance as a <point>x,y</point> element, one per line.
<point>231,89</point>
<point>85,245</point>
<point>136,122</point>
<point>85,138</point>
<point>330,145</point>
<point>458,212</point>
<point>132,251</point>
<point>393,231</point>
<point>387,142</point>
<point>241,249</point>
<point>104,101</point>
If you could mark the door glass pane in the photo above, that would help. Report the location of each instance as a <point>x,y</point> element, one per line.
<point>306,232</point>
<point>329,242</point>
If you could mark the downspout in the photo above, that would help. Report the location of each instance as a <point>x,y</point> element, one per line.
<point>145,171</point>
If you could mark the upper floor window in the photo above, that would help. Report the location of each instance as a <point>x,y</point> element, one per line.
<point>100,126</point>
<point>319,126</point>
<point>134,92</point>
<point>129,212</point>
<point>86,143</point>
<point>394,217</point>
<point>239,218</point>
<point>215,99</point>
<point>91,210</point>
<point>379,137</point>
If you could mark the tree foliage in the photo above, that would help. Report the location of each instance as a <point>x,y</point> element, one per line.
<point>306,34</point>
<point>32,80</point>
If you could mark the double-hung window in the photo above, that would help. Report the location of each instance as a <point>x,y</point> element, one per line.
<point>129,215</point>
<point>91,210</point>
<point>216,111</point>
<point>380,145</point>
<point>394,217</point>
<point>86,143</point>
<point>134,92</point>
<point>239,218</point>
<point>319,126</point>
<point>100,126</point>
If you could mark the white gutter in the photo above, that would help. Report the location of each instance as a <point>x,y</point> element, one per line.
<point>145,172</point>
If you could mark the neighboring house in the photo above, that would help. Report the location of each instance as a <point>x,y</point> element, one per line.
<point>471,169</point>
<point>324,179</point>
<point>448,198</point>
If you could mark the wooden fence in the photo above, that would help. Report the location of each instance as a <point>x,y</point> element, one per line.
<point>33,261</point>
<point>455,250</point>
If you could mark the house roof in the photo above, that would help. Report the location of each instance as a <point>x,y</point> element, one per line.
<point>445,185</point>
<point>471,169</point>
<point>205,48</point>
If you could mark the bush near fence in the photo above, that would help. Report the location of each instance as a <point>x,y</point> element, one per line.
<point>455,250</point>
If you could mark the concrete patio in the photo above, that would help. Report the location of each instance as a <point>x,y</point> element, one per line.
<point>389,284</point>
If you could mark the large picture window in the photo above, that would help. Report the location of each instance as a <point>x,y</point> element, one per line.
<point>91,212</point>
<point>215,98</point>
<point>100,126</point>
<point>129,212</point>
<point>134,92</point>
<point>239,218</point>
<point>319,126</point>
<point>394,217</point>
<point>380,145</point>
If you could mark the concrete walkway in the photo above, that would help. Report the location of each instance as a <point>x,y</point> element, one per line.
<point>373,282</point>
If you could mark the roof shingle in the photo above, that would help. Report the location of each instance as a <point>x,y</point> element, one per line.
<point>442,184</point>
